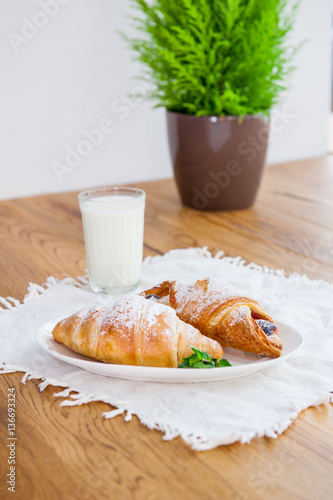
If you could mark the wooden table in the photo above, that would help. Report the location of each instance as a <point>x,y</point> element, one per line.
<point>72,453</point>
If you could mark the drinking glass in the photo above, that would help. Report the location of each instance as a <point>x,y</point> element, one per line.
<point>113,223</point>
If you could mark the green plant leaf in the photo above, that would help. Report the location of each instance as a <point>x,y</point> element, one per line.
<point>201,359</point>
<point>202,364</point>
<point>214,57</point>
<point>184,364</point>
<point>200,354</point>
<point>223,362</point>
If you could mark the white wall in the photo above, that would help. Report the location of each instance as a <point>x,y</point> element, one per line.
<point>307,103</point>
<point>72,74</point>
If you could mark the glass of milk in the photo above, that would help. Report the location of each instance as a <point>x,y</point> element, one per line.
<point>113,221</point>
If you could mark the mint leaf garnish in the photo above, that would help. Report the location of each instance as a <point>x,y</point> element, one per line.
<point>223,362</point>
<point>201,359</point>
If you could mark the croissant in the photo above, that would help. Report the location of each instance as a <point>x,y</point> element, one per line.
<point>133,331</point>
<point>221,313</point>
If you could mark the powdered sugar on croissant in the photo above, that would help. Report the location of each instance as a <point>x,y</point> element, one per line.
<point>222,313</point>
<point>133,331</point>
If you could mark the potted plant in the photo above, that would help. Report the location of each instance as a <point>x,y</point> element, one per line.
<point>218,67</point>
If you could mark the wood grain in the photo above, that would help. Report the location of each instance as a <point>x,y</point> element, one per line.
<point>72,453</point>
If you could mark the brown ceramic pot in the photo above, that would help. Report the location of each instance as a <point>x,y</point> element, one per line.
<point>217,161</point>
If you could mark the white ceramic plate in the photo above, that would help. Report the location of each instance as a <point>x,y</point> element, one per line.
<point>242,363</point>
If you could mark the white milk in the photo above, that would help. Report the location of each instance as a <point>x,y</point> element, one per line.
<point>113,232</point>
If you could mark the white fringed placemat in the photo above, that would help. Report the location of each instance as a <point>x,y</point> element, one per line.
<point>205,415</point>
